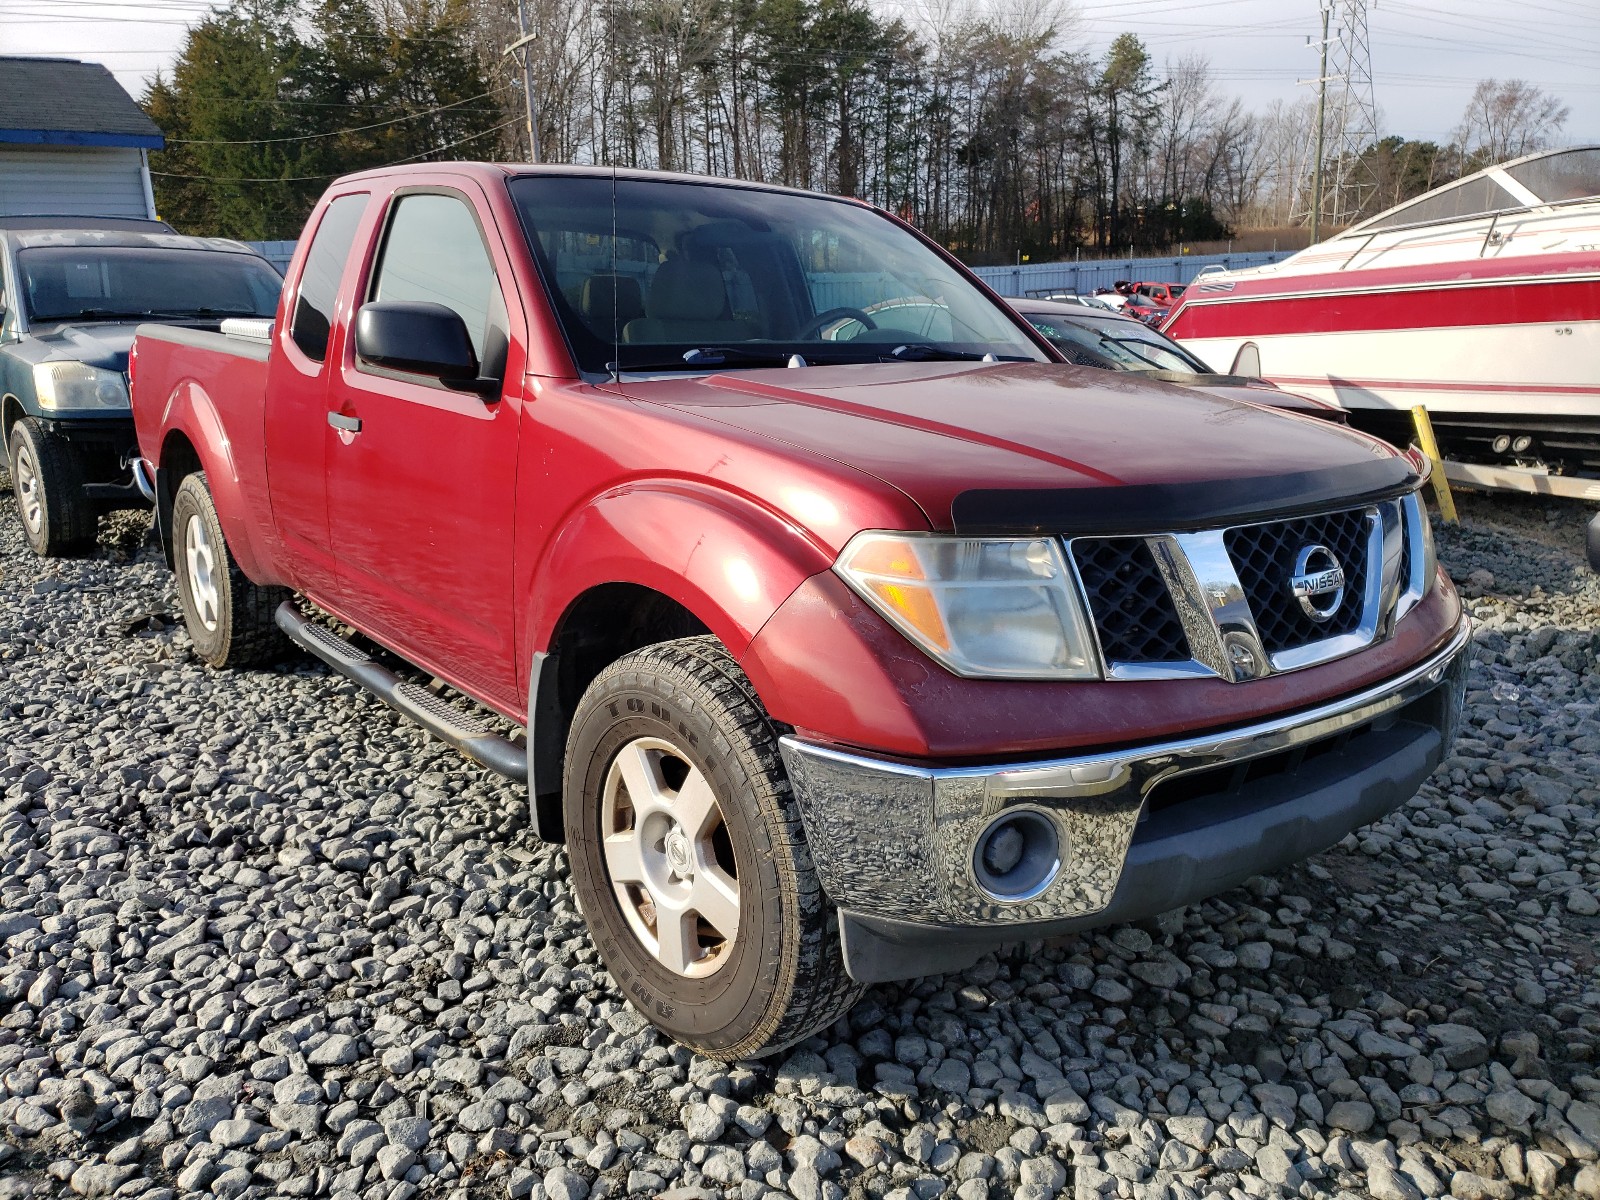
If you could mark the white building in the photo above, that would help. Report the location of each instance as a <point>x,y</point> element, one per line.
<point>72,142</point>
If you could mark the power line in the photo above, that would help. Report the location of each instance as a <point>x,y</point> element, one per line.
<point>307,137</point>
<point>471,137</point>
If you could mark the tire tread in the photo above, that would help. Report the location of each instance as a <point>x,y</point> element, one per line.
<point>254,639</point>
<point>71,524</point>
<point>819,991</point>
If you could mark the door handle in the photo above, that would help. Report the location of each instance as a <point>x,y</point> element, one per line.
<point>342,422</point>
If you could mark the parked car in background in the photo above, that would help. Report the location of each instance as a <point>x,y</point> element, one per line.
<point>1111,341</point>
<point>1162,295</point>
<point>840,659</point>
<point>1061,297</point>
<point>73,291</point>
<point>1142,308</point>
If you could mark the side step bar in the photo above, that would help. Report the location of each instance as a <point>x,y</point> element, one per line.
<point>440,718</point>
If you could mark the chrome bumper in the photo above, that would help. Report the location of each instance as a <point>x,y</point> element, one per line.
<point>144,478</point>
<point>895,843</point>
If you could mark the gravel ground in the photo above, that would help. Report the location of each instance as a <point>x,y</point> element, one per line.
<point>259,936</point>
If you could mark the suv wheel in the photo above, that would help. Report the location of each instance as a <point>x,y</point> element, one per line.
<point>689,860</point>
<point>57,518</point>
<point>230,619</point>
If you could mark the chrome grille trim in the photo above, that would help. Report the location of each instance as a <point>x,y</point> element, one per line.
<point>1214,606</point>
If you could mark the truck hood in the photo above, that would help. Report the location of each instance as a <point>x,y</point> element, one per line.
<point>100,344</point>
<point>1044,446</point>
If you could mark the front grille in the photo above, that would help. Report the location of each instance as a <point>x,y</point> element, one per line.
<point>1264,556</point>
<point>1133,611</point>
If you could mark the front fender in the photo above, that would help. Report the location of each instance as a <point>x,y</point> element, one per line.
<point>727,560</point>
<point>190,411</point>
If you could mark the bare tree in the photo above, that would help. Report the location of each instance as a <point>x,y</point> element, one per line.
<point>1507,119</point>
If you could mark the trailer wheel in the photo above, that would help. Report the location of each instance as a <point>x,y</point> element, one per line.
<point>689,860</point>
<point>47,479</point>
<point>230,619</point>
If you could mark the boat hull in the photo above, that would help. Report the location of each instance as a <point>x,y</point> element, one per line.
<point>1498,347</point>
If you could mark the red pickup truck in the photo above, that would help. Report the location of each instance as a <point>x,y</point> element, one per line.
<point>832,660</point>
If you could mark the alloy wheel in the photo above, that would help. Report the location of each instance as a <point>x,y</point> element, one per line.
<point>30,496</point>
<point>200,559</point>
<point>671,863</point>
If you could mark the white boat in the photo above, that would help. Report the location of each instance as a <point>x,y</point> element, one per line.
<point>1479,300</point>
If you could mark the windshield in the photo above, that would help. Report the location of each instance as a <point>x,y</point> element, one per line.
<point>1119,345</point>
<point>129,282</point>
<point>690,276</point>
<point>1565,175</point>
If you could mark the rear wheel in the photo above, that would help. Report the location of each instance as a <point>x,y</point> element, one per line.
<point>230,619</point>
<point>47,479</point>
<point>689,860</point>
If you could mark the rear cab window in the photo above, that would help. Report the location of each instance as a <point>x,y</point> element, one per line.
<point>319,279</point>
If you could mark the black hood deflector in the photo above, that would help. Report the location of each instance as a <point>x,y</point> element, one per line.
<point>1177,507</point>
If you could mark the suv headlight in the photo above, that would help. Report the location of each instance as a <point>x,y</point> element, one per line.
<point>74,386</point>
<point>1001,608</point>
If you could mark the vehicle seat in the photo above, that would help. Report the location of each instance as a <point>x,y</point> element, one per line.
<point>47,294</point>
<point>609,302</point>
<point>688,302</point>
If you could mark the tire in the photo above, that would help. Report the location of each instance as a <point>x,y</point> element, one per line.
<point>230,619</point>
<point>47,479</point>
<point>682,722</point>
<point>1592,543</point>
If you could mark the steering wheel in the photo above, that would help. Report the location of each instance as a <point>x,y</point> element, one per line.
<point>813,327</point>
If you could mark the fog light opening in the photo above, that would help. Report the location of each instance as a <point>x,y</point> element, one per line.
<point>1017,856</point>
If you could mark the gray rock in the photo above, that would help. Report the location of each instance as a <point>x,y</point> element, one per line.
<point>409,1132</point>
<point>100,1180</point>
<point>1510,1107</point>
<point>338,1050</point>
<point>1254,956</point>
<point>1385,1183</point>
<point>1467,1185</point>
<point>1352,1116</point>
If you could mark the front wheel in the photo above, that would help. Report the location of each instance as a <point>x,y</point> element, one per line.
<point>689,860</point>
<point>230,619</point>
<point>57,518</point>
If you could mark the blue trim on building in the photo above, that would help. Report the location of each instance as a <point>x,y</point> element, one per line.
<point>74,137</point>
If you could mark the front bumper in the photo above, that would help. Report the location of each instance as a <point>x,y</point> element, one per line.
<point>1139,831</point>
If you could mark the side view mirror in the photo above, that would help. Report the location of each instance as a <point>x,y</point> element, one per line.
<point>422,338</point>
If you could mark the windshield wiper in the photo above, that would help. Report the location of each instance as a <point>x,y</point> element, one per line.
<point>1131,346</point>
<point>702,357</point>
<point>924,352</point>
<point>95,314</point>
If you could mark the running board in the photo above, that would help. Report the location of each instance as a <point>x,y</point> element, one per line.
<point>446,722</point>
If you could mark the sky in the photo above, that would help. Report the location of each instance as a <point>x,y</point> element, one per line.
<point>1427,55</point>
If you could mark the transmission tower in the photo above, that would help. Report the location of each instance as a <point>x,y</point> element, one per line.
<point>1352,115</point>
<point>1347,120</point>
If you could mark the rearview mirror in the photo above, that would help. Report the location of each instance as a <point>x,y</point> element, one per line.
<point>420,337</point>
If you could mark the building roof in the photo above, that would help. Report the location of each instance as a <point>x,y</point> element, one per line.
<point>64,102</point>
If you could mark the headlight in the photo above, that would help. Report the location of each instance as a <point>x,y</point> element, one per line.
<point>1424,547</point>
<point>990,607</point>
<point>64,386</point>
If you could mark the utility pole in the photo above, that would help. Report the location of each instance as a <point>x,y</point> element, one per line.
<point>1322,106</point>
<point>525,44</point>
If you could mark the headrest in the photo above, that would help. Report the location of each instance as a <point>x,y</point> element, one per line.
<point>605,296</point>
<point>684,290</point>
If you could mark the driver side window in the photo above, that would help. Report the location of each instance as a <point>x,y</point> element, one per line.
<point>435,252</point>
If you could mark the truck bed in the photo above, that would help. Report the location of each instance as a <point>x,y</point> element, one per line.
<point>207,389</point>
